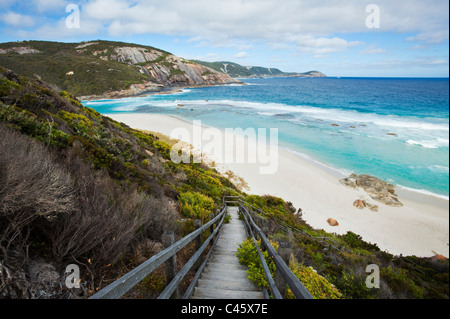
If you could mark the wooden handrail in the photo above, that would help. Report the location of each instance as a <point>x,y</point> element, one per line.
<point>190,289</point>
<point>272,285</point>
<point>298,289</point>
<point>176,281</point>
<point>121,286</point>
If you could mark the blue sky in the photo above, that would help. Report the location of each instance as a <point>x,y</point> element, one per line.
<point>293,35</point>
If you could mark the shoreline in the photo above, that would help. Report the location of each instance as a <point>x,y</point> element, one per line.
<point>413,194</point>
<point>418,228</point>
<point>165,90</point>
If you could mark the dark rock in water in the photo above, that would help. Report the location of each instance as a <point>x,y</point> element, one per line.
<point>285,116</point>
<point>378,189</point>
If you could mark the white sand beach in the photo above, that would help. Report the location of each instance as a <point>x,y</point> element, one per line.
<point>420,227</point>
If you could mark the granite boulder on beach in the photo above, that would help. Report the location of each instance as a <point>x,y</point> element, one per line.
<point>378,189</point>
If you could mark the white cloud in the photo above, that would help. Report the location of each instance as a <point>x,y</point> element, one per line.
<point>241,55</point>
<point>17,19</point>
<point>318,28</point>
<point>371,49</point>
<point>311,24</point>
<point>61,31</point>
<point>430,37</point>
<point>323,46</point>
<point>46,5</point>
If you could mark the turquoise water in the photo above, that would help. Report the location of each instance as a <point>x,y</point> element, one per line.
<point>346,124</point>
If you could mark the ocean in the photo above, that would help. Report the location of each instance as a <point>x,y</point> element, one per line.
<point>396,129</point>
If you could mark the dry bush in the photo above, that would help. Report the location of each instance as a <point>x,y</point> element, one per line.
<point>110,219</point>
<point>33,188</point>
<point>85,216</point>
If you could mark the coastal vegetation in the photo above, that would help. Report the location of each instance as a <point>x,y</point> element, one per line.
<point>336,267</point>
<point>79,187</point>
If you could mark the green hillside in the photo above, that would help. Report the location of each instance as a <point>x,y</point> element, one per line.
<point>99,67</point>
<point>238,71</point>
<point>55,59</point>
<point>233,69</point>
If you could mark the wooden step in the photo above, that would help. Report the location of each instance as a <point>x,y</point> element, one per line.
<point>226,259</point>
<point>224,277</point>
<point>242,280</point>
<point>240,285</point>
<point>226,266</point>
<point>225,273</point>
<point>210,293</point>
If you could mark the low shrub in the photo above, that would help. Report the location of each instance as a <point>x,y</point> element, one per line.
<point>248,255</point>
<point>196,205</point>
<point>6,86</point>
<point>401,283</point>
<point>317,285</point>
<point>29,124</point>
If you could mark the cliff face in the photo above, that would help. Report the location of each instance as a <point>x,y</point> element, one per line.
<point>168,69</point>
<point>104,69</point>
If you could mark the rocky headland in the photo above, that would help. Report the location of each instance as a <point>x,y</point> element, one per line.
<point>105,69</point>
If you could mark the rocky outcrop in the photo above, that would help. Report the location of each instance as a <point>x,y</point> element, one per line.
<point>439,257</point>
<point>133,90</point>
<point>315,74</point>
<point>169,70</point>
<point>378,189</point>
<point>135,55</point>
<point>332,222</point>
<point>164,71</point>
<point>361,204</point>
<point>19,50</point>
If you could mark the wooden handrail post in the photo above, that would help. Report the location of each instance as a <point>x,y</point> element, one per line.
<point>265,229</point>
<point>284,250</point>
<point>198,242</point>
<point>211,229</point>
<point>168,239</point>
<point>211,217</point>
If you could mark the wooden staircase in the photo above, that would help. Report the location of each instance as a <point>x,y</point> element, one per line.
<point>224,277</point>
<point>220,275</point>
